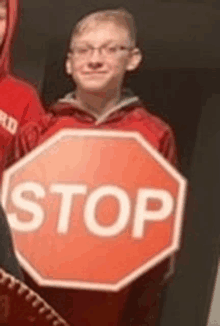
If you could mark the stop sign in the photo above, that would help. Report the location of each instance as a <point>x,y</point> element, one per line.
<point>93,209</point>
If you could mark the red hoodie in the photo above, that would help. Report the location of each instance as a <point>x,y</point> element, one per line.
<point>19,103</point>
<point>136,304</point>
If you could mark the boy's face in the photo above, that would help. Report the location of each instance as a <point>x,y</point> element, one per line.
<point>3,22</point>
<point>100,58</point>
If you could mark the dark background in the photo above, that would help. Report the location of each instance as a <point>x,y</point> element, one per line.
<point>180,73</point>
<point>179,38</point>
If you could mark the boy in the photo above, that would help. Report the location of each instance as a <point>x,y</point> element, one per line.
<point>19,105</point>
<point>102,50</point>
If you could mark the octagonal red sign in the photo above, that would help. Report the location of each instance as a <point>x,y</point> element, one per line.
<point>93,209</point>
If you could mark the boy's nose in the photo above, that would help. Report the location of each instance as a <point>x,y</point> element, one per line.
<point>95,64</point>
<point>96,59</point>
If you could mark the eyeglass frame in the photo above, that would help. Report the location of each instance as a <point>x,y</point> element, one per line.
<point>91,50</point>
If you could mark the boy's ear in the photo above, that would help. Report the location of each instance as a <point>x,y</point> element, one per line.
<point>134,60</point>
<point>68,65</point>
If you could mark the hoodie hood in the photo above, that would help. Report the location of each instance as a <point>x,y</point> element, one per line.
<point>12,9</point>
<point>127,99</point>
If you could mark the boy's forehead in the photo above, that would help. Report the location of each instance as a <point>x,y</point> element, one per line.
<point>101,31</point>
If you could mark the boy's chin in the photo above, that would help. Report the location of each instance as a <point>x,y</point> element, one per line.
<point>95,88</point>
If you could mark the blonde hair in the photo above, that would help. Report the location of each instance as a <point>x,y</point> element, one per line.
<point>119,16</point>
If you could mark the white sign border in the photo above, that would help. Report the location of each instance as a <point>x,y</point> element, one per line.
<point>67,132</point>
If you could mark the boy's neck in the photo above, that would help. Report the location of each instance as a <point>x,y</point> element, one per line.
<point>98,103</point>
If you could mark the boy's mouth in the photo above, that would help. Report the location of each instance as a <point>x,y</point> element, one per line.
<point>94,72</point>
<point>94,75</point>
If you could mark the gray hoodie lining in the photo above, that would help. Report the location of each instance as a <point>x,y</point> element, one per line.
<point>69,98</point>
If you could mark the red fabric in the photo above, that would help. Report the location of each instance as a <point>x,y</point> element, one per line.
<point>19,103</point>
<point>133,118</point>
<point>5,51</point>
<point>99,308</point>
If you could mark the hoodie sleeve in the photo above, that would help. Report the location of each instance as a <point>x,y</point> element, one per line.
<point>27,139</point>
<point>34,122</point>
<point>168,147</point>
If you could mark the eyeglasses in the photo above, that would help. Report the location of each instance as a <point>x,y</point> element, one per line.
<point>110,51</point>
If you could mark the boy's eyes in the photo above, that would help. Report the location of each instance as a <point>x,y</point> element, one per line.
<point>82,50</point>
<point>111,49</point>
<point>108,49</point>
<point>86,48</point>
